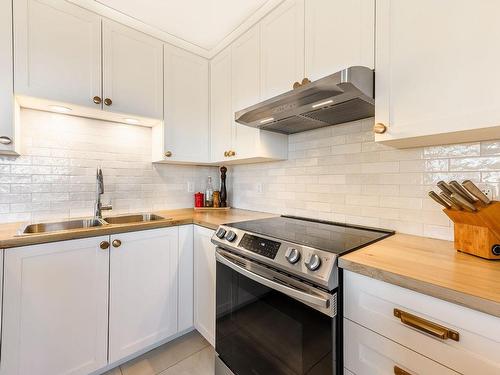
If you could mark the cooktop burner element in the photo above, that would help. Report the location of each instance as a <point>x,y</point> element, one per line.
<point>304,248</point>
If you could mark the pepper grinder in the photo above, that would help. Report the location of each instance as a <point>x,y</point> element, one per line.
<point>223,192</point>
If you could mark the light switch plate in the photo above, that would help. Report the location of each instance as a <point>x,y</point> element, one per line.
<point>489,190</point>
<point>190,187</point>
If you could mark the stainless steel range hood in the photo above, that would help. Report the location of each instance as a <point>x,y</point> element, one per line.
<point>345,96</point>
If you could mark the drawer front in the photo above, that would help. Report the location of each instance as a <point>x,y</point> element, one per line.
<point>367,353</point>
<point>372,303</point>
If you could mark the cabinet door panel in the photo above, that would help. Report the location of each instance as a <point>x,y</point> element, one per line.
<point>143,290</point>
<point>439,83</point>
<point>55,308</point>
<point>282,48</point>
<point>186,267</point>
<point>245,61</point>
<point>186,106</point>
<point>57,51</point>
<point>204,281</point>
<point>338,34</point>
<point>221,117</point>
<point>6,72</point>
<point>132,71</point>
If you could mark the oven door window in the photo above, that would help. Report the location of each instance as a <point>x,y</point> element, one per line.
<point>260,331</point>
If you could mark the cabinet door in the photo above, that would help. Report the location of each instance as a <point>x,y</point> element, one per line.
<point>186,106</point>
<point>186,288</point>
<point>132,71</point>
<point>245,83</point>
<point>143,290</point>
<point>221,117</point>
<point>282,48</point>
<point>338,34</point>
<point>55,308</point>
<point>57,52</point>
<point>439,83</point>
<point>6,86</point>
<point>204,283</point>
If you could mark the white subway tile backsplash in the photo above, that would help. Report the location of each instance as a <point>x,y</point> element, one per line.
<point>55,177</point>
<point>359,181</point>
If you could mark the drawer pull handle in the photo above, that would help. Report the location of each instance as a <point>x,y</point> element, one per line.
<point>400,371</point>
<point>426,326</point>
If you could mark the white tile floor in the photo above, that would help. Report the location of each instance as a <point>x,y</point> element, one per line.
<point>190,354</point>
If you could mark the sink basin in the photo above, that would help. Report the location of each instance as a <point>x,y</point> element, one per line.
<point>62,225</point>
<point>137,218</point>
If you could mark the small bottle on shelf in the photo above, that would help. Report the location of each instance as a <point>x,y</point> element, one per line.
<point>209,193</point>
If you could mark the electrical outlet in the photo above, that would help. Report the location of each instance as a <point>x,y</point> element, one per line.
<point>190,187</point>
<point>489,190</point>
<point>259,188</point>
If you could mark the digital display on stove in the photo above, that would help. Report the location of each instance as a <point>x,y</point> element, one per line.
<point>259,245</point>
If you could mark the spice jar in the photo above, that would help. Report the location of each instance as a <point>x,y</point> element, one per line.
<point>216,197</point>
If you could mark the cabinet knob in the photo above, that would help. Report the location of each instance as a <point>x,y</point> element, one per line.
<point>5,140</point>
<point>97,100</point>
<point>117,243</point>
<point>379,128</point>
<point>232,153</point>
<point>108,102</point>
<point>168,154</point>
<point>226,153</point>
<point>104,245</point>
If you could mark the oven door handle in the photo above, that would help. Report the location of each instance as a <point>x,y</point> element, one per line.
<point>285,289</point>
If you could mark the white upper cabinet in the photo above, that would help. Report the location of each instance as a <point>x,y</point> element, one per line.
<point>7,136</point>
<point>437,73</point>
<point>282,48</point>
<point>186,125</point>
<point>132,71</point>
<point>55,308</point>
<point>221,115</point>
<point>57,49</point>
<point>338,34</point>
<point>143,290</point>
<point>245,83</point>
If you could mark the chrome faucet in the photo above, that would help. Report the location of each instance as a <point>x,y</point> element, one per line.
<point>98,207</point>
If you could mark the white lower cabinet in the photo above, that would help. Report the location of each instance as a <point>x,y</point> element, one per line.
<point>74,307</point>
<point>367,353</point>
<point>143,290</point>
<point>204,283</point>
<point>468,342</point>
<point>55,308</point>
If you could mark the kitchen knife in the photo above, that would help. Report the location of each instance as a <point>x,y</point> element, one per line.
<point>438,199</point>
<point>448,200</point>
<point>459,189</point>
<point>445,188</point>
<point>475,191</point>
<point>457,198</point>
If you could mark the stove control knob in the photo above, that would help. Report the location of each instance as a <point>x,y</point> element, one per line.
<point>221,232</point>
<point>313,262</point>
<point>230,236</point>
<point>292,255</point>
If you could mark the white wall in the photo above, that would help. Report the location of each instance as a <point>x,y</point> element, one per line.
<point>55,176</point>
<point>338,173</point>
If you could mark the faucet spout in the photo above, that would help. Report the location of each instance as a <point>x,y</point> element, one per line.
<point>99,207</point>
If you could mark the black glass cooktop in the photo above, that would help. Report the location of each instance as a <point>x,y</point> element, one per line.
<point>333,237</point>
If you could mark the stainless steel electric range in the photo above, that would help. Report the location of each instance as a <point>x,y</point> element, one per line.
<point>278,291</point>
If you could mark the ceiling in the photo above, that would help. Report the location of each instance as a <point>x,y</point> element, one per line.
<point>202,23</point>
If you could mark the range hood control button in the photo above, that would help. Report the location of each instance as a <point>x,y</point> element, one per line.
<point>292,255</point>
<point>221,232</point>
<point>313,262</point>
<point>230,236</point>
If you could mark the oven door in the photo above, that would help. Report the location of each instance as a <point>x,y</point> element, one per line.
<point>268,323</point>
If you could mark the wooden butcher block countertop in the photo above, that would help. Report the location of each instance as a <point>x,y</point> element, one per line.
<point>431,267</point>
<point>208,219</point>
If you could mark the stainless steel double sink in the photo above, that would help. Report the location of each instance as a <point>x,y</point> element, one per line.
<point>89,223</point>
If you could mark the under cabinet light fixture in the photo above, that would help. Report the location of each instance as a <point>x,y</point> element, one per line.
<point>60,108</point>
<point>266,120</point>
<point>131,120</point>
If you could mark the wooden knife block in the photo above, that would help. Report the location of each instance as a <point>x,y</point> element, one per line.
<point>478,233</point>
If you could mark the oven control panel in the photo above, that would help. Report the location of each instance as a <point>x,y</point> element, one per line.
<point>259,245</point>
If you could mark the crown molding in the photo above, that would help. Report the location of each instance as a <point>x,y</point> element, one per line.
<point>117,16</point>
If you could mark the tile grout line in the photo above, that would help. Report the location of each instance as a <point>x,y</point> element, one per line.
<point>181,360</point>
